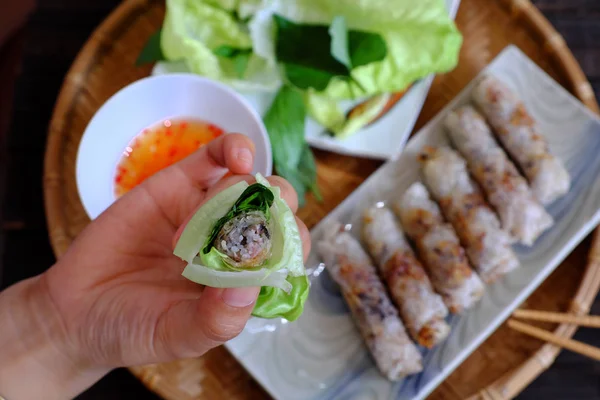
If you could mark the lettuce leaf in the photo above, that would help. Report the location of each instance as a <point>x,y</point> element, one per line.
<point>275,303</point>
<point>324,109</point>
<point>194,29</point>
<point>228,279</point>
<point>283,281</point>
<point>419,36</point>
<point>421,39</point>
<point>284,223</point>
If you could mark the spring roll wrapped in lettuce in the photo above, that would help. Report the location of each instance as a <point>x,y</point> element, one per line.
<point>247,236</point>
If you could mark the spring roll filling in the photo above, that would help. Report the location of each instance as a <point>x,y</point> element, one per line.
<point>245,239</point>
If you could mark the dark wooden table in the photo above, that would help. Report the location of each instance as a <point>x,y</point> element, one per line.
<point>46,48</point>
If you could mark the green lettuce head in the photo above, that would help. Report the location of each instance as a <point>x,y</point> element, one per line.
<point>247,236</point>
<point>209,38</point>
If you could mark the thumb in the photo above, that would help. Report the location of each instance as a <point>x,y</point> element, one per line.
<point>190,328</point>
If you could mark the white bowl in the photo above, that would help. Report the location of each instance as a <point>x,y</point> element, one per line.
<point>145,103</point>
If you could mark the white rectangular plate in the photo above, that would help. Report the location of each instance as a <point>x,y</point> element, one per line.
<point>321,356</point>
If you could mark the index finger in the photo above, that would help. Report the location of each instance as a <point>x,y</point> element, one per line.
<point>231,152</point>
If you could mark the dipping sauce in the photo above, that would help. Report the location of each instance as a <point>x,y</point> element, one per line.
<point>158,147</point>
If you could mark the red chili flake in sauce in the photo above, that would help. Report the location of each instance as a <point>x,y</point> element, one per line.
<point>158,147</point>
<point>216,131</point>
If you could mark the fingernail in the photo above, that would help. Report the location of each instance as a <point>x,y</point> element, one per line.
<point>240,297</point>
<point>244,155</point>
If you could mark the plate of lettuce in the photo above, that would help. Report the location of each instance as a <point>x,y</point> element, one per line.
<point>341,75</point>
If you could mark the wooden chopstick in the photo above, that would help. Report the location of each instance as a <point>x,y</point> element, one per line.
<point>573,345</point>
<point>589,321</point>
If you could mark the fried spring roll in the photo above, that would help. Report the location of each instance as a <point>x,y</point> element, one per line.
<point>422,310</point>
<point>439,248</point>
<point>517,131</point>
<point>395,354</point>
<point>486,244</point>
<point>521,215</point>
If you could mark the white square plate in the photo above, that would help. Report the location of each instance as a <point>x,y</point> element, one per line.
<point>321,355</point>
<point>383,139</point>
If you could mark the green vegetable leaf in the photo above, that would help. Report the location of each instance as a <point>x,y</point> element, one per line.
<point>256,197</point>
<point>240,63</point>
<point>285,123</point>
<point>152,51</point>
<point>306,52</point>
<point>307,77</point>
<point>193,29</point>
<point>339,41</point>
<point>366,48</point>
<point>304,177</point>
<point>273,302</point>
<point>308,171</point>
<point>240,57</point>
<point>292,156</point>
<point>295,179</point>
<point>314,54</point>
<point>226,51</point>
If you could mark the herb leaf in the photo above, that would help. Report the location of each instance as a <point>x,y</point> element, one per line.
<point>366,47</point>
<point>152,51</point>
<point>294,178</point>
<point>307,169</point>
<point>339,41</point>
<point>291,154</point>
<point>240,63</point>
<point>304,177</point>
<point>226,51</point>
<point>306,52</point>
<point>240,57</point>
<point>306,77</point>
<point>285,123</point>
<point>256,197</point>
<point>314,54</point>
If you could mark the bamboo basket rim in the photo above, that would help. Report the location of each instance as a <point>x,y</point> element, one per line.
<point>507,386</point>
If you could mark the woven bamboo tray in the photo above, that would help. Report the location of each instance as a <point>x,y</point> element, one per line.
<point>505,364</point>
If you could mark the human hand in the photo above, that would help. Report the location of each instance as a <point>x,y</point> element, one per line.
<point>118,292</point>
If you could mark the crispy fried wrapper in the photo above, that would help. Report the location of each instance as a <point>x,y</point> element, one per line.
<point>349,265</point>
<point>439,248</point>
<point>519,134</point>
<point>487,245</point>
<point>422,310</point>
<point>521,214</point>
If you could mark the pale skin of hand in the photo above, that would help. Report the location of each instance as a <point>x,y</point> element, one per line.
<point>117,297</point>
